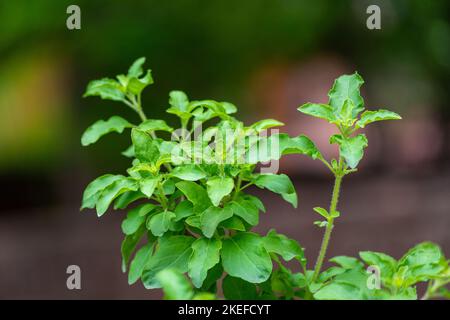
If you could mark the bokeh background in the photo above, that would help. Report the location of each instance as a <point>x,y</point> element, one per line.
<point>266,56</point>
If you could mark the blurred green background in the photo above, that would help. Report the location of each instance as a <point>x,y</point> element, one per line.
<point>266,56</point>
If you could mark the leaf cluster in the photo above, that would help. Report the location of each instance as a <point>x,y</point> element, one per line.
<point>190,218</point>
<point>187,208</point>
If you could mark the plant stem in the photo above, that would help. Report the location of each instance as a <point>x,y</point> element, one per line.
<point>136,106</point>
<point>432,288</point>
<point>237,188</point>
<point>325,162</point>
<point>246,186</point>
<point>329,227</point>
<point>162,196</point>
<point>427,294</point>
<point>141,114</point>
<point>139,109</point>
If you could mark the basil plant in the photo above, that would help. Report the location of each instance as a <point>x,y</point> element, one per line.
<point>186,198</point>
<point>189,217</point>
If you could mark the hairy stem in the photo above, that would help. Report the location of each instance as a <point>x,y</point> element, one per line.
<point>325,162</point>
<point>329,227</point>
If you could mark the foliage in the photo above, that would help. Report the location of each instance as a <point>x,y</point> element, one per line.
<point>187,209</point>
<point>189,219</point>
<point>352,279</point>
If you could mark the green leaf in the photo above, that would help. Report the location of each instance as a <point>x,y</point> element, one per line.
<point>378,115</point>
<point>211,218</point>
<point>155,125</point>
<point>194,221</point>
<point>347,262</point>
<point>145,148</point>
<point>335,214</point>
<point>246,209</point>
<point>105,88</point>
<point>357,277</point>
<point>255,200</point>
<point>123,80</point>
<point>195,194</point>
<point>113,191</point>
<point>423,253</point>
<point>140,170</point>
<point>238,289</point>
<point>317,110</point>
<point>129,152</point>
<point>129,244</point>
<point>95,188</point>
<point>386,263</point>
<point>277,145</point>
<point>283,246</point>
<point>202,115</point>
<point>409,293</point>
<point>245,257</point>
<point>266,124</point>
<point>204,296</point>
<point>160,223</point>
<point>229,107</point>
<point>102,127</point>
<point>148,185</point>
<point>189,172</point>
<point>179,100</point>
<point>281,144</point>
<point>338,291</point>
<point>173,252</point>
<point>213,109</point>
<point>176,226</point>
<point>214,274</point>
<point>183,210</point>
<point>322,212</point>
<point>179,106</point>
<point>168,186</point>
<point>126,198</point>
<point>193,152</point>
<point>233,223</point>
<point>175,285</point>
<point>136,218</point>
<point>278,183</point>
<point>283,283</point>
<point>422,262</point>
<point>346,87</point>
<point>346,114</point>
<point>351,149</point>
<point>135,69</point>
<point>329,273</point>
<point>139,262</point>
<point>205,255</point>
<point>301,144</point>
<point>321,224</point>
<point>135,85</point>
<point>219,187</point>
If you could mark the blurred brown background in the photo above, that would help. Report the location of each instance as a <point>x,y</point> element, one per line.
<point>268,57</point>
